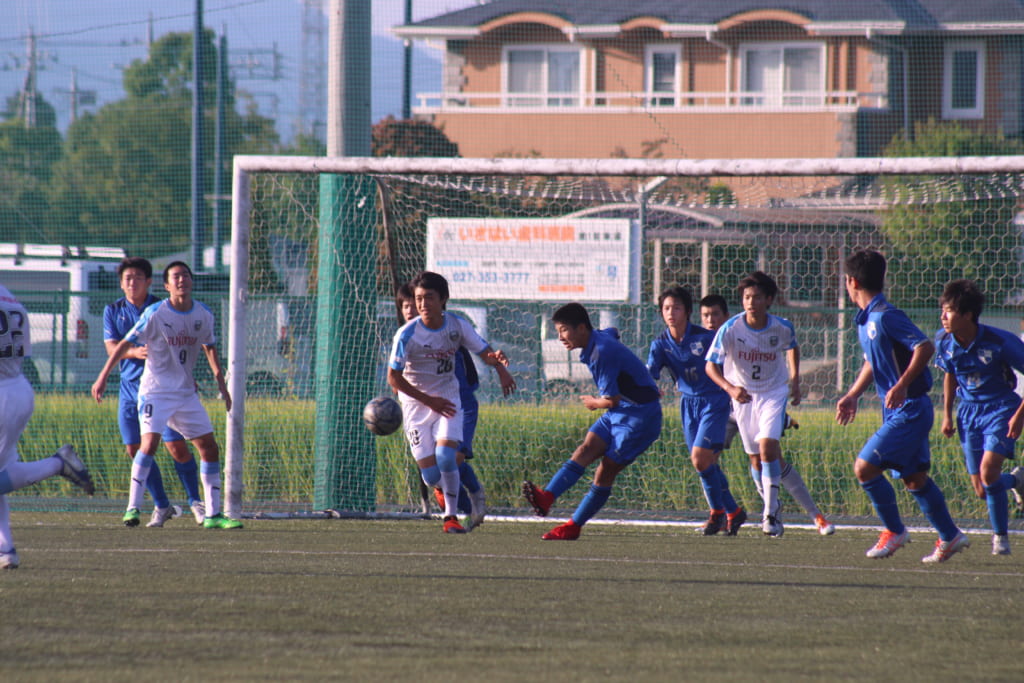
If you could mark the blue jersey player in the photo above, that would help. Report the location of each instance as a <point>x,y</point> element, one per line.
<point>135,275</point>
<point>630,424</point>
<point>704,407</point>
<point>979,362</point>
<point>896,355</point>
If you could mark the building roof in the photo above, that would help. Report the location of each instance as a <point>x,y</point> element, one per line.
<point>685,17</point>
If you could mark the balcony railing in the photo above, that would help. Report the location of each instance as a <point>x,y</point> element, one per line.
<point>623,102</point>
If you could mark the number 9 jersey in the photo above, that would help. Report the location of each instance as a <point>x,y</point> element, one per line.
<point>174,340</point>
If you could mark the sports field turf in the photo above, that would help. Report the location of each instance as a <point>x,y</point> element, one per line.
<point>399,600</point>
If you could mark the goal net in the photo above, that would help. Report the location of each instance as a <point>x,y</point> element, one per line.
<point>319,246</point>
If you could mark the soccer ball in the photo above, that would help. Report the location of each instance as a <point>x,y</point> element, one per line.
<point>382,415</point>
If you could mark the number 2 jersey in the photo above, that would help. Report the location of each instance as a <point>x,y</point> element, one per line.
<point>14,336</point>
<point>426,357</point>
<point>754,359</point>
<point>174,340</point>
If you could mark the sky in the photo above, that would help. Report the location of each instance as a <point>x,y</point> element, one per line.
<point>97,39</point>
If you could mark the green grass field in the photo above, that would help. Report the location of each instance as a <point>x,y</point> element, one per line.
<point>398,600</point>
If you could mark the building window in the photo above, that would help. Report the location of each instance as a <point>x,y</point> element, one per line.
<point>963,81</point>
<point>542,76</point>
<point>787,75</point>
<point>661,75</point>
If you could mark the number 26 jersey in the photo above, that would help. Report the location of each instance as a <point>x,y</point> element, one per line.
<point>426,357</point>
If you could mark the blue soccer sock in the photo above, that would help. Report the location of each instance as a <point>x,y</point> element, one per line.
<point>771,475</point>
<point>595,499</point>
<point>883,496</point>
<point>567,475</point>
<point>450,481</point>
<point>996,499</point>
<point>709,480</point>
<point>933,504</point>
<point>728,501</point>
<point>755,474</point>
<point>155,486</point>
<point>188,473</point>
<point>468,475</point>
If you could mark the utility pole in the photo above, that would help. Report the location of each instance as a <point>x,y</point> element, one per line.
<point>407,68</point>
<point>27,106</point>
<point>197,139</point>
<point>312,71</point>
<point>76,96</point>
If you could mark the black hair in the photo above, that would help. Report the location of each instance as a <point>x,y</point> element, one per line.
<point>572,315</point>
<point>963,296</point>
<point>136,262</point>
<point>762,281</point>
<point>680,294</point>
<point>715,300</point>
<point>175,264</point>
<point>867,267</point>
<point>431,280</point>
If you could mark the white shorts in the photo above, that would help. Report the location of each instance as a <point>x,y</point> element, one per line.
<point>425,427</point>
<point>17,401</point>
<point>183,413</point>
<point>763,418</point>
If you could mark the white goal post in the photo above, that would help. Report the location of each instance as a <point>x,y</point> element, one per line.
<point>246,166</point>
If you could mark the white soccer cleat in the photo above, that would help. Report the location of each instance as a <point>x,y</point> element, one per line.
<point>199,512</point>
<point>771,526</point>
<point>161,515</point>
<point>888,543</point>
<point>479,504</point>
<point>10,560</point>
<point>73,469</point>
<point>1018,487</point>
<point>947,549</point>
<point>825,527</point>
<point>1000,544</point>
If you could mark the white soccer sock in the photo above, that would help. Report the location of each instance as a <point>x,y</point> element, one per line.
<point>137,486</point>
<point>22,474</point>
<point>211,491</point>
<point>450,483</point>
<point>794,483</point>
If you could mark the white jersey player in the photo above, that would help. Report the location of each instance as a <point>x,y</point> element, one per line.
<point>756,359</point>
<point>422,370</point>
<point>17,403</point>
<point>174,331</point>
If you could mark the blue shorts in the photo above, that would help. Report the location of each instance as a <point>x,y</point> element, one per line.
<point>629,430</point>
<point>128,420</point>
<point>983,427</point>
<point>901,443</point>
<point>470,414</point>
<point>705,421</point>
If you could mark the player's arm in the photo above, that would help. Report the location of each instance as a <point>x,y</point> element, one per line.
<point>714,371</point>
<point>922,353</point>
<point>846,407</point>
<point>948,396</point>
<point>398,382</point>
<point>138,352</point>
<point>114,357</point>
<point>498,360</point>
<point>218,374</point>
<point>793,361</point>
<point>600,402</point>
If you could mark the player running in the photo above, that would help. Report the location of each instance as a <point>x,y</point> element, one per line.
<point>422,371</point>
<point>978,362</point>
<point>17,403</point>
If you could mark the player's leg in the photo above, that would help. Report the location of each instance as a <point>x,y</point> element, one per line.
<point>593,447</point>
<point>796,487</point>
<point>187,470</point>
<point>472,500</point>
<point>630,432</point>
<point>131,437</point>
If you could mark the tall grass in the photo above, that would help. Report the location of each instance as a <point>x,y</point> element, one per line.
<point>513,442</point>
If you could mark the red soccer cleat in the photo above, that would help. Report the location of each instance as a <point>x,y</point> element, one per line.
<point>452,526</point>
<point>569,531</point>
<point>539,499</point>
<point>439,497</point>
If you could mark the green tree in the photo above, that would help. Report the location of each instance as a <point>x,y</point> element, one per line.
<point>946,228</point>
<point>27,158</point>
<point>125,175</point>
